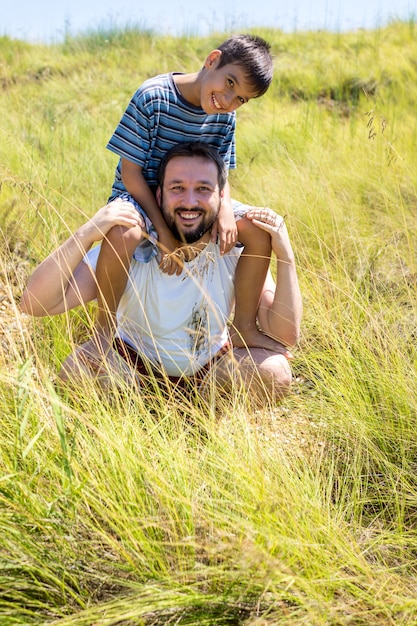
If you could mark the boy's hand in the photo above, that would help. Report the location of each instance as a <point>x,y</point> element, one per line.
<point>225,227</point>
<point>170,263</point>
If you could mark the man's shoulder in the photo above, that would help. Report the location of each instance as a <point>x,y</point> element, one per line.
<point>226,261</point>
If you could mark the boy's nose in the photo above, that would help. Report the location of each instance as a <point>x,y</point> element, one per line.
<point>228,100</point>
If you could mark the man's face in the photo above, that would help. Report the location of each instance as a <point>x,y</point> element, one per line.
<point>190,198</point>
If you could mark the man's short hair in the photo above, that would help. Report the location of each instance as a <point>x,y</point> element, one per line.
<point>194,149</point>
<point>253,55</point>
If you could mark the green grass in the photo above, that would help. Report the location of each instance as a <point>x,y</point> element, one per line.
<point>124,509</point>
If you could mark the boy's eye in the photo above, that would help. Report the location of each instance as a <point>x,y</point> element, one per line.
<point>231,82</point>
<point>241,100</point>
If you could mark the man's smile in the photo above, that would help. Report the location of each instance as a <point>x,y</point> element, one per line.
<point>188,217</point>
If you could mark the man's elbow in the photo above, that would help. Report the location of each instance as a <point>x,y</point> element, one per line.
<point>30,306</point>
<point>291,338</point>
<point>25,303</point>
<point>294,330</point>
<point>287,331</point>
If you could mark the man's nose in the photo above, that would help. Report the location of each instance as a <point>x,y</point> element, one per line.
<point>190,198</point>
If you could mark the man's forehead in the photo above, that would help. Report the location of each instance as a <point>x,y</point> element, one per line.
<point>190,168</point>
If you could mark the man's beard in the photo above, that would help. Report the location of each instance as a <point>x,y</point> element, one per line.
<point>191,235</point>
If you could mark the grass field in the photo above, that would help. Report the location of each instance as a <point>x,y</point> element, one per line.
<point>150,510</point>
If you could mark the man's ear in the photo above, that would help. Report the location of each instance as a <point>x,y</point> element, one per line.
<point>213,59</point>
<point>158,195</point>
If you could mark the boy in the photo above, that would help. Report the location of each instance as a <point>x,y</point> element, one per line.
<point>172,108</point>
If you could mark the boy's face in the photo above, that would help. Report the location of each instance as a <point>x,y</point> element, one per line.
<point>223,90</point>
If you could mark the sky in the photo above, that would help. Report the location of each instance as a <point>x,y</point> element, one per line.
<point>47,21</point>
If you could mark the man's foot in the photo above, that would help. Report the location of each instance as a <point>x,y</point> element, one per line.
<point>255,338</point>
<point>97,360</point>
<point>97,347</point>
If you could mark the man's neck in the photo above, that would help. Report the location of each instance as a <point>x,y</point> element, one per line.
<point>188,251</point>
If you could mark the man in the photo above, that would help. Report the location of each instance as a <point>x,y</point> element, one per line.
<point>177,325</point>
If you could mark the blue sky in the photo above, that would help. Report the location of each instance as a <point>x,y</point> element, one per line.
<point>48,20</point>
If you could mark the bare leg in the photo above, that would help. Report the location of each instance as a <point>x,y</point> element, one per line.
<point>250,277</point>
<point>108,373</point>
<point>265,374</point>
<point>111,273</point>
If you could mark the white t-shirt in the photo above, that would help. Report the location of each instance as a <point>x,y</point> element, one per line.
<point>178,322</point>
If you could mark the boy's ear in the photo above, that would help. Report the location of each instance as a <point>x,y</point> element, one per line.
<point>213,59</point>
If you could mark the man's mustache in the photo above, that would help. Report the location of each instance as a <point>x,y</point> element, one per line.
<point>196,209</point>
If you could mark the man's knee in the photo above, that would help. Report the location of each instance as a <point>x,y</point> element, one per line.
<point>262,372</point>
<point>276,374</point>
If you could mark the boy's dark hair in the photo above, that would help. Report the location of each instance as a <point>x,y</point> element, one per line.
<point>194,149</point>
<point>253,54</point>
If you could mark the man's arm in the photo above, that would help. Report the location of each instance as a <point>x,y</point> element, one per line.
<point>62,281</point>
<point>280,308</point>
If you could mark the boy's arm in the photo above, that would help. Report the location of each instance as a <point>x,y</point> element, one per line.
<point>138,188</point>
<point>225,226</point>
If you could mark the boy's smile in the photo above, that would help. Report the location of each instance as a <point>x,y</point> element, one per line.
<point>223,90</point>
<point>215,90</point>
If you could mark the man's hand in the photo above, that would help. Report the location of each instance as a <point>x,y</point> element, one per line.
<point>116,213</point>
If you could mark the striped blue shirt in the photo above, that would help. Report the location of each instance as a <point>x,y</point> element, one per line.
<point>157,117</point>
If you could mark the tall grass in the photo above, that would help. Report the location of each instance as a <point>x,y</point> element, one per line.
<point>119,508</point>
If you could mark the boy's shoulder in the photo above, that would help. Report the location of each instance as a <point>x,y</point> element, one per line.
<point>158,81</point>
<point>154,88</point>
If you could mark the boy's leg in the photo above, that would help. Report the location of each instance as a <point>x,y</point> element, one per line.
<point>112,272</point>
<point>251,272</point>
<point>111,275</point>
